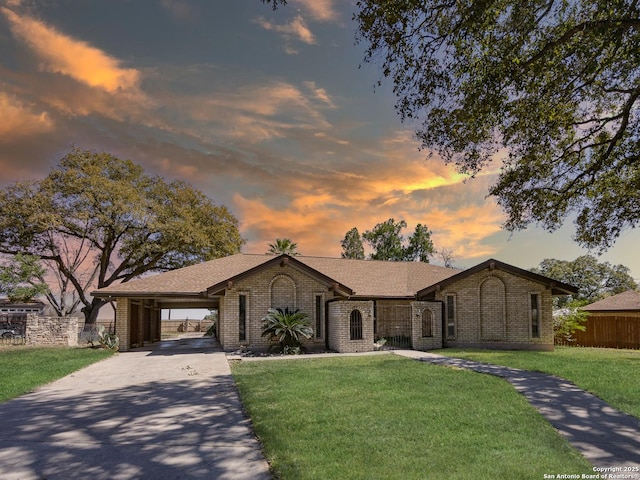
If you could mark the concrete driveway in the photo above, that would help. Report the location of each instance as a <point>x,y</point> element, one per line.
<point>168,412</point>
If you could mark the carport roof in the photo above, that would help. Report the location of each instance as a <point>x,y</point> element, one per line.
<point>193,280</point>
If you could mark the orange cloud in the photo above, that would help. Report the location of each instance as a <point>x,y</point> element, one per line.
<point>323,206</point>
<point>318,225</point>
<point>19,120</point>
<point>62,54</point>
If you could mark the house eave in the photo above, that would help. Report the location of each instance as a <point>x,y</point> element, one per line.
<point>284,261</point>
<point>147,295</point>
<point>556,287</point>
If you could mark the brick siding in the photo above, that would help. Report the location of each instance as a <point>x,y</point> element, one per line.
<point>257,288</point>
<point>419,342</point>
<point>479,318</point>
<point>339,326</point>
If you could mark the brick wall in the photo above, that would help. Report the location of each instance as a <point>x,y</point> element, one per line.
<point>486,318</point>
<point>51,331</point>
<point>296,289</point>
<point>433,311</point>
<point>339,326</point>
<point>123,307</point>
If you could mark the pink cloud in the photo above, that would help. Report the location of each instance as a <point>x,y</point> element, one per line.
<point>297,29</point>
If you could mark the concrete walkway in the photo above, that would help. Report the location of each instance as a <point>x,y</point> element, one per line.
<point>605,436</point>
<point>168,412</point>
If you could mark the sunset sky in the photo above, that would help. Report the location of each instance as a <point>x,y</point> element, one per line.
<point>268,113</point>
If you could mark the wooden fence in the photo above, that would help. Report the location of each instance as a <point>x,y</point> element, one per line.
<point>610,331</point>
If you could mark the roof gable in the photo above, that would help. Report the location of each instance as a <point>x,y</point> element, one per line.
<point>283,260</point>
<point>557,288</point>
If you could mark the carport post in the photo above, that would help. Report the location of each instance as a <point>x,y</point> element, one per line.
<point>123,321</point>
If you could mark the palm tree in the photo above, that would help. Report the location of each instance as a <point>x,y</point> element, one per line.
<point>287,327</point>
<point>283,245</point>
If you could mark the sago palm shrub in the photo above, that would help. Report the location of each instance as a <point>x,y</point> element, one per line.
<point>287,328</point>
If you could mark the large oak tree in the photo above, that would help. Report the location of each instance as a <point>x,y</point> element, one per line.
<point>554,84</point>
<point>594,280</point>
<point>100,220</point>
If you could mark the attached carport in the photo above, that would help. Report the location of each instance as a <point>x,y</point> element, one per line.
<point>138,317</point>
<point>139,303</point>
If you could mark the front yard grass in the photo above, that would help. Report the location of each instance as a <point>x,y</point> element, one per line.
<point>613,375</point>
<point>386,417</point>
<point>25,368</point>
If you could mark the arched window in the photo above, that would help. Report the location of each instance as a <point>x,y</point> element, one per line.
<point>355,325</point>
<point>283,293</point>
<point>427,323</point>
<point>493,298</point>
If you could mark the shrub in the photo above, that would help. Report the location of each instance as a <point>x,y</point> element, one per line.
<point>108,340</point>
<point>287,328</point>
<point>566,321</point>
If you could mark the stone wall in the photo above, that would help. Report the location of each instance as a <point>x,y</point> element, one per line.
<point>52,331</point>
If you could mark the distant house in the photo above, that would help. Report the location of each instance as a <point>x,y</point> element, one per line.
<point>18,311</point>
<point>613,322</point>
<point>351,303</point>
<point>13,316</point>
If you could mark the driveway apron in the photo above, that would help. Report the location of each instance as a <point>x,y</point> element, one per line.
<point>168,412</point>
<point>605,436</point>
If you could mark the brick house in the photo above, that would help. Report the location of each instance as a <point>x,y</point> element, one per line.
<point>351,303</point>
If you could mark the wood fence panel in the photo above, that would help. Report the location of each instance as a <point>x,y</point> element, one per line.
<point>615,331</point>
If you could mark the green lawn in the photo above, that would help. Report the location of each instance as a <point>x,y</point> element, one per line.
<point>25,368</point>
<point>613,375</point>
<point>387,417</point>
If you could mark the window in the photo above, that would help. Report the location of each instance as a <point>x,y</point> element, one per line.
<point>283,293</point>
<point>535,316</point>
<point>318,316</point>
<point>242,318</point>
<point>355,325</point>
<point>375,319</point>
<point>427,323</point>
<point>451,316</point>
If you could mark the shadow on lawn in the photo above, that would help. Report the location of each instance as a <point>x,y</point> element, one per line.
<point>604,435</point>
<point>190,429</point>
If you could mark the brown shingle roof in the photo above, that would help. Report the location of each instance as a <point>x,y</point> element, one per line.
<point>371,278</point>
<point>187,281</point>
<point>628,301</point>
<point>358,278</point>
<point>365,278</point>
